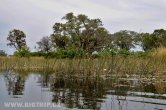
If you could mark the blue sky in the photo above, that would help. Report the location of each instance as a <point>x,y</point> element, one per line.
<point>36,17</point>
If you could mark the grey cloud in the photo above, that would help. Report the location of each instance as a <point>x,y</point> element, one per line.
<point>36,17</point>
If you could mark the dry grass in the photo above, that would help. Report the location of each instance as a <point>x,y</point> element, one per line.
<point>118,65</point>
<point>160,52</point>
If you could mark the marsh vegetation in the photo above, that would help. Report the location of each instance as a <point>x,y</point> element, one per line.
<point>81,65</point>
<point>151,64</point>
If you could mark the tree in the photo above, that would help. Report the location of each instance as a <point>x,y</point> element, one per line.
<point>161,35</point>
<point>60,41</point>
<point>154,40</point>
<point>124,39</point>
<point>80,32</point>
<point>3,53</point>
<point>148,41</point>
<point>16,39</point>
<point>45,44</point>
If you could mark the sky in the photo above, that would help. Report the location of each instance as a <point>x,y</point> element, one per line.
<point>37,17</point>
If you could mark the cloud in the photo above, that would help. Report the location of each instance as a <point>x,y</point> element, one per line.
<point>36,17</point>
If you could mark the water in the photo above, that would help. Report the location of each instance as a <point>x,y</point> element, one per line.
<point>80,93</point>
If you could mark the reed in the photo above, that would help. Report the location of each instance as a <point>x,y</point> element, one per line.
<point>91,67</point>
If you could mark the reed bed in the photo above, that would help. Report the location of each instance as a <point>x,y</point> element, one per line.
<point>92,67</point>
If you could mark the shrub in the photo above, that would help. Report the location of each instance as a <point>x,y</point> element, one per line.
<point>142,54</point>
<point>68,53</point>
<point>3,53</point>
<point>123,52</point>
<point>22,53</point>
<point>107,52</point>
<point>38,54</point>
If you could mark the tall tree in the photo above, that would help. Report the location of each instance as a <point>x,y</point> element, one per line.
<point>124,39</point>
<point>154,40</point>
<point>161,35</point>
<point>80,32</point>
<point>16,39</point>
<point>147,41</point>
<point>44,45</point>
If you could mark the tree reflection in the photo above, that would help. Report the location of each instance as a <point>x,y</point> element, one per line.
<point>89,93</point>
<point>150,88</point>
<point>79,93</point>
<point>15,83</point>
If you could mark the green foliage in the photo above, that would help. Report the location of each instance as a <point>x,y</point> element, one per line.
<point>149,41</point>
<point>61,53</point>
<point>79,53</point>
<point>80,36</point>
<point>59,41</point>
<point>108,52</point>
<point>45,44</point>
<point>24,52</point>
<point>80,32</point>
<point>124,39</point>
<point>123,52</point>
<point>161,35</point>
<point>69,53</point>
<point>154,40</point>
<point>141,54</point>
<point>38,54</point>
<point>3,53</point>
<point>16,39</point>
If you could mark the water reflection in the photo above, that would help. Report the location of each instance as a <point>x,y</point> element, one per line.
<point>86,93</point>
<point>79,93</point>
<point>15,83</point>
<point>89,93</point>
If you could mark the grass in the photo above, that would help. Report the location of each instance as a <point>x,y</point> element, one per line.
<point>116,65</point>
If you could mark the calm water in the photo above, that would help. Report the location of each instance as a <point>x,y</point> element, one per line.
<point>77,93</point>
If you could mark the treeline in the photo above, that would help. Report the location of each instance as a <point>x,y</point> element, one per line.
<point>80,36</point>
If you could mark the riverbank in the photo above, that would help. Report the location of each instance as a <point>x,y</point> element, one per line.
<point>118,65</point>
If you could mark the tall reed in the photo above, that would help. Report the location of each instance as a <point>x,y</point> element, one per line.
<point>91,67</point>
